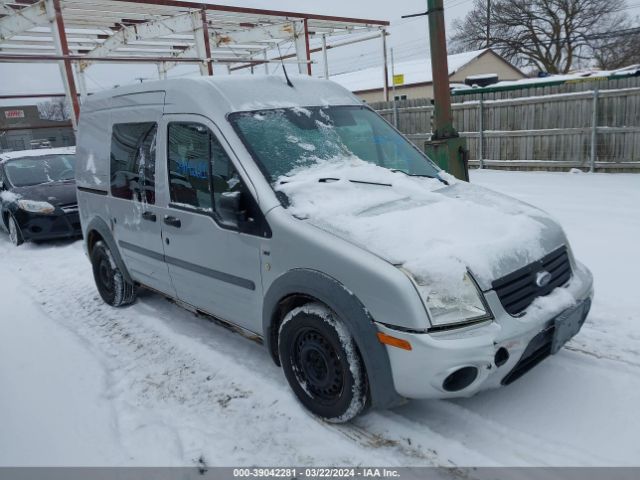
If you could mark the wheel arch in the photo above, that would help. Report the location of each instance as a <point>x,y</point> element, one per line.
<point>300,286</point>
<point>5,218</point>
<point>97,230</point>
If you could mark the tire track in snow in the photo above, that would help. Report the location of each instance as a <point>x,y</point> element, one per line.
<point>190,389</point>
<point>179,401</point>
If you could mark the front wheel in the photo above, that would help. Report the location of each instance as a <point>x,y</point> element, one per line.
<point>15,235</point>
<point>322,364</point>
<point>114,289</point>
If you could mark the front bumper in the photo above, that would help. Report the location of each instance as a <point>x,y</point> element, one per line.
<point>35,226</point>
<point>422,371</point>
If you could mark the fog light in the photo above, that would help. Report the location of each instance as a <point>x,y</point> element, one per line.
<point>460,379</point>
<point>502,355</point>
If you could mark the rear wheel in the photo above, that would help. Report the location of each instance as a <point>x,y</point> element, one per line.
<point>114,289</point>
<point>15,235</point>
<point>322,364</point>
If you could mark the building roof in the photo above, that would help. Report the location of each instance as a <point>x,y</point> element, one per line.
<point>414,71</point>
<point>578,76</point>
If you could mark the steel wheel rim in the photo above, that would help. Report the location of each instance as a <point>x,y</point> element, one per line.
<point>317,366</point>
<point>105,274</point>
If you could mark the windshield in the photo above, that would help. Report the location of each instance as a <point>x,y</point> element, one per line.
<point>285,139</point>
<point>27,171</point>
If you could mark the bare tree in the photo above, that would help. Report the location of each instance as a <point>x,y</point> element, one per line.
<point>54,109</point>
<point>548,35</point>
<point>619,50</point>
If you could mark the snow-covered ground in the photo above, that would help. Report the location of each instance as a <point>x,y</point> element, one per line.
<point>152,384</point>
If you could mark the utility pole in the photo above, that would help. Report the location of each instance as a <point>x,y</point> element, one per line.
<point>446,147</point>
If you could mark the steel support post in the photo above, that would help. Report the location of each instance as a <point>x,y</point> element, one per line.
<point>200,37</point>
<point>393,90</point>
<point>385,71</point>
<point>162,71</point>
<point>207,41</point>
<point>325,61</point>
<point>307,47</point>
<point>594,130</point>
<point>300,44</point>
<point>82,84</point>
<point>54,12</point>
<point>481,151</point>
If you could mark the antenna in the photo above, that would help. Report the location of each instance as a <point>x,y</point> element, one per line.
<point>284,69</point>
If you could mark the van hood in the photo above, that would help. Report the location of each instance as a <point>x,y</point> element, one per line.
<point>435,231</point>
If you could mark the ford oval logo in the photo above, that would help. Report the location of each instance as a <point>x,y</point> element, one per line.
<point>543,278</point>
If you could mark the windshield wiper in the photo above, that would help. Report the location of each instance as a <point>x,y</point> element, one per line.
<point>419,175</point>
<point>332,179</point>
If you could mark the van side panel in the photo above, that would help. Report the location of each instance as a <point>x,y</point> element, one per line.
<point>92,158</point>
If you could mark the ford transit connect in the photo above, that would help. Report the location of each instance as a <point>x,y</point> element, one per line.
<point>299,216</point>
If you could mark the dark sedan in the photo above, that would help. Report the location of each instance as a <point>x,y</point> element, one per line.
<point>38,195</point>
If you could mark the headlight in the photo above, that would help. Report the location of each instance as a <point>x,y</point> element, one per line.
<point>36,207</point>
<point>449,307</point>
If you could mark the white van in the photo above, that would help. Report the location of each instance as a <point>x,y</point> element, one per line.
<point>299,216</point>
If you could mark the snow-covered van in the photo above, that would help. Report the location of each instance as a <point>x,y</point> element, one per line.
<point>299,216</point>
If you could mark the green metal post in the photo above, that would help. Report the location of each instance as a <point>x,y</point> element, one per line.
<point>446,147</point>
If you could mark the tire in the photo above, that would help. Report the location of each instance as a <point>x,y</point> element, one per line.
<point>15,235</point>
<point>111,284</point>
<point>322,364</point>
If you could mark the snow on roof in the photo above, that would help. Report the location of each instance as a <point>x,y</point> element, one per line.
<point>40,152</point>
<point>575,76</point>
<point>414,71</point>
<point>233,93</point>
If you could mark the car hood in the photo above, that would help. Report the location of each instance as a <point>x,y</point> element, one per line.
<point>56,193</point>
<point>435,231</point>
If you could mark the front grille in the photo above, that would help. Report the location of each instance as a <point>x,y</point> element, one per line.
<point>519,289</point>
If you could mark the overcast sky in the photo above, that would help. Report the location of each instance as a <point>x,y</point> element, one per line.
<point>408,37</point>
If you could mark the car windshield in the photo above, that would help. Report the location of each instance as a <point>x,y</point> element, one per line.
<point>27,171</point>
<point>282,140</point>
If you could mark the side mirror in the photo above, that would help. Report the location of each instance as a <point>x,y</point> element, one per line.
<point>230,208</point>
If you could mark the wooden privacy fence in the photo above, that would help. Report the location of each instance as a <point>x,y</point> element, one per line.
<point>596,128</point>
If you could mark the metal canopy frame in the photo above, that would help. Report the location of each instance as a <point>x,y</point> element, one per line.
<point>78,33</point>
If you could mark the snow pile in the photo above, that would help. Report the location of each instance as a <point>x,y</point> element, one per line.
<point>434,231</point>
<point>9,197</point>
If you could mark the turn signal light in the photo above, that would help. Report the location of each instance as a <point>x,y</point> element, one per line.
<point>393,341</point>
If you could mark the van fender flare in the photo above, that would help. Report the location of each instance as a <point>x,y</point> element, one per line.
<point>100,226</point>
<point>327,290</point>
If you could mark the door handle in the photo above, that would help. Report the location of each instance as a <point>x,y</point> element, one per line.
<point>149,216</point>
<point>173,221</point>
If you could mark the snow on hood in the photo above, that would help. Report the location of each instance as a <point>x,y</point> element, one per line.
<point>9,197</point>
<point>39,152</point>
<point>434,231</point>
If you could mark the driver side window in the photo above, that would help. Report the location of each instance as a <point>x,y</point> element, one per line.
<point>200,171</point>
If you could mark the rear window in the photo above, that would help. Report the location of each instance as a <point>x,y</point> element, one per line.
<point>133,161</point>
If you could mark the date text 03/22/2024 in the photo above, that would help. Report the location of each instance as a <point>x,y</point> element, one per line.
<point>315,473</point>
